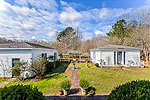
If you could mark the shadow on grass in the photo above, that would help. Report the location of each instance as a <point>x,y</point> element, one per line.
<point>54,75</point>
<point>56,72</point>
<point>95,97</point>
<point>60,69</point>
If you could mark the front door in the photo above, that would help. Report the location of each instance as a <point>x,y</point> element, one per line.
<point>119,57</point>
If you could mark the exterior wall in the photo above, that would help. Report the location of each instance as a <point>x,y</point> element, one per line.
<point>24,55</point>
<point>36,53</point>
<point>133,58</point>
<point>106,57</point>
<point>6,60</point>
<point>91,56</point>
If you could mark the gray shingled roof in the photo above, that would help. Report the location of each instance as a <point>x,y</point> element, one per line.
<point>118,47</point>
<point>22,45</point>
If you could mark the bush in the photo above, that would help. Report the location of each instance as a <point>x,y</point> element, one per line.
<point>146,66</point>
<point>19,69</point>
<point>66,85</point>
<point>91,89</point>
<point>20,92</point>
<point>39,67</point>
<point>58,63</point>
<point>16,71</point>
<point>84,84</point>
<point>50,66</point>
<point>134,90</point>
<point>97,64</point>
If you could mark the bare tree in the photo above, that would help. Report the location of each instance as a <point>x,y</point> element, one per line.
<point>95,42</point>
<point>139,24</point>
<point>141,38</point>
<point>69,39</point>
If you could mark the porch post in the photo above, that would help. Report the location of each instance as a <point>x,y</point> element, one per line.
<point>116,58</point>
<point>122,62</point>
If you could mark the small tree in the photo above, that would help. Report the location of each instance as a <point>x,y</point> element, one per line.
<point>39,67</point>
<point>84,84</point>
<point>16,71</point>
<point>19,69</point>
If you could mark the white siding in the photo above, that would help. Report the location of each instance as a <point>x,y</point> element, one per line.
<point>6,60</point>
<point>24,55</point>
<point>38,53</point>
<point>107,57</point>
<point>91,56</point>
<point>133,56</point>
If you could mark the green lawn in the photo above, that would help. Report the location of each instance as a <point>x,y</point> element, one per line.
<point>104,80</point>
<point>51,84</point>
<point>3,79</point>
<point>143,70</point>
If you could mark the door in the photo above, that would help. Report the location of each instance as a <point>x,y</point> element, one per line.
<point>119,57</point>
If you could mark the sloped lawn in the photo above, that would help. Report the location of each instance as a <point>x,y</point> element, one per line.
<point>51,84</point>
<point>3,79</point>
<point>143,70</point>
<point>104,80</point>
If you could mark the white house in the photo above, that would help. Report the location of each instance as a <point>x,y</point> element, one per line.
<point>115,55</point>
<point>11,53</point>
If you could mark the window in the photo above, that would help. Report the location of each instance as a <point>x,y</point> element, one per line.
<point>44,55</point>
<point>15,61</point>
<point>55,56</point>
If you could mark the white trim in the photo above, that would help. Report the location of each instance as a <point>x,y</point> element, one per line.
<point>26,49</point>
<point>115,49</point>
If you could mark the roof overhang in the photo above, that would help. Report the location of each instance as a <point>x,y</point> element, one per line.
<point>115,49</point>
<point>26,49</point>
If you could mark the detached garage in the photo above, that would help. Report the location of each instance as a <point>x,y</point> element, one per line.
<point>116,55</point>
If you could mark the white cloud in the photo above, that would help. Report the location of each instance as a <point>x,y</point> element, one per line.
<point>50,5</point>
<point>147,1</point>
<point>104,12</point>
<point>40,19</point>
<point>99,33</point>
<point>34,38</point>
<point>63,3</point>
<point>23,22</point>
<point>44,40</point>
<point>70,17</point>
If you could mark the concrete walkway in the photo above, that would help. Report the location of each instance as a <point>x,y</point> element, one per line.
<point>136,71</point>
<point>6,82</point>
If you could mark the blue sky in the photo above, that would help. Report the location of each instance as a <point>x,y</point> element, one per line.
<point>44,19</point>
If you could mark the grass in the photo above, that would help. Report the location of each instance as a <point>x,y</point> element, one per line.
<point>143,70</point>
<point>3,79</point>
<point>51,84</point>
<point>104,80</point>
